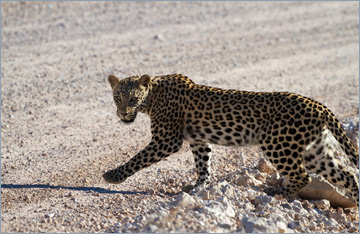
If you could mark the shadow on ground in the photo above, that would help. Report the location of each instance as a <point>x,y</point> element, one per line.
<point>84,189</point>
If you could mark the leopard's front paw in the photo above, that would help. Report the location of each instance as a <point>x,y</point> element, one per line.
<point>113,177</point>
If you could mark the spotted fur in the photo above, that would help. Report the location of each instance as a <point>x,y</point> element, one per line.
<point>289,128</point>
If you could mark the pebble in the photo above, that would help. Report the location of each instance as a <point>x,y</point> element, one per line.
<point>49,215</point>
<point>227,189</point>
<point>247,180</point>
<point>14,108</point>
<point>297,225</point>
<point>340,217</point>
<point>158,37</point>
<point>262,225</point>
<point>27,198</point>
<point>274,179</point>
<point>322,204</point>
<point>282,227</point>
<point>265,166</point>
<point>263,199</point>
<point>184,200</point>
<point>215,190</point>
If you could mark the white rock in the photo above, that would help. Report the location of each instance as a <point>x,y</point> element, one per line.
<point>298,225</point>
<point>49,215</point>
<point>339,217</point>
<point>277,217</point>
<point>264,166</point>
<point>297,207</point>
<point>282,227</point>
<point>247,180</point>
<point>215,190</point>
<point>312,226</point>
<point>203,194</point>
<point>274,179</point>
<point>322,204</point>
<point>229,209</point>
<point>184,200</point>
<point>223,212</point>
<point>259,225</point>
<point>263,199</point>
<point>227,189</point>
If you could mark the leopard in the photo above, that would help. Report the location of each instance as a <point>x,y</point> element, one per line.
<point>291,129</point>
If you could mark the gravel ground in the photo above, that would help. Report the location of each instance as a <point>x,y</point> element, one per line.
<point>59,131</point>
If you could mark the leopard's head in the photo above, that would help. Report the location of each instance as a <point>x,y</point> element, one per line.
<point>130,95</point>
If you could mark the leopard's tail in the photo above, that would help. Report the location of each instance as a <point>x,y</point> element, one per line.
<point>340,135</point>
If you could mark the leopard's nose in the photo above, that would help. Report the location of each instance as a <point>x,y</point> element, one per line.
<point>121,114</point>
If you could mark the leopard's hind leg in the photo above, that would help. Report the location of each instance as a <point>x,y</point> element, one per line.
<point>319,158</point>
<point>290,165</point>
<point>285,154</point>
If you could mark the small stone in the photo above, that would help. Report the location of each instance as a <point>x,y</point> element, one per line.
<point>14,108</point>
<point>286,206</point>
<point>227,189</point>
<point>274,179</point>
<point>158,37</point>
<point>353,230</point>
<point>296,224</point>
<point>184,200</point>
<point>27,198</point>
<point>229,210</point>
<point>264,166</point>
<point>297,206</point>
<point>263,199</point>
<point>307,205</point>
<point>322,204</point>
<point>258,225</point>
<point>281,226</point>
<point>247,180</point>
<point>261,176</point>
<point>312,226</point>
<point>215,190</point>
<point>204,194</point>
<point>339,217</point>
<point>151,191</point>
<point>49,215</point>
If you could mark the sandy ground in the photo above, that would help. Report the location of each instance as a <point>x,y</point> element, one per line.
<point>59,131</point>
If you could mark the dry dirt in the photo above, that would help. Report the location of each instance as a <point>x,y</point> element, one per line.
<point>59,131</point>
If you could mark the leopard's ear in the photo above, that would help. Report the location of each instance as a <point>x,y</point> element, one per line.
<point>144,80</point>
<point>113,80</point>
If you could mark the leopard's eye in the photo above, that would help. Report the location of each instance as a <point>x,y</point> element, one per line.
<point>133,100</point>
<point>117,98</point>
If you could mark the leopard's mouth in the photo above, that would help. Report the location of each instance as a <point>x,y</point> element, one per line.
<point>129,118</point>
